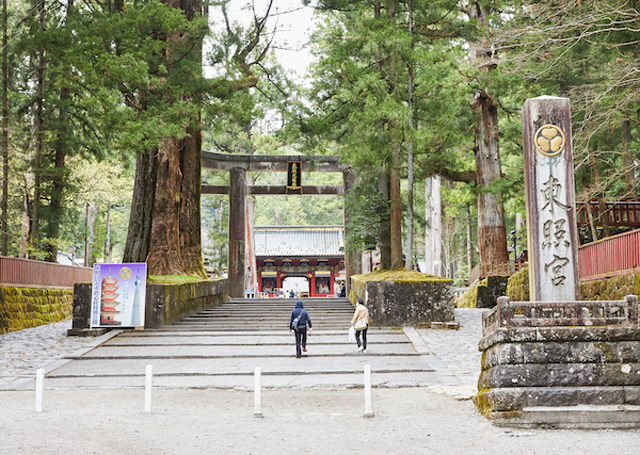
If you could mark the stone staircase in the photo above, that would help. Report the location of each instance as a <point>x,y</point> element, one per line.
<point>221,347</point>
<point>251,315</point>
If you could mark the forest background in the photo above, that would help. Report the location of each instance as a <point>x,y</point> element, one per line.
<point>413,95</point>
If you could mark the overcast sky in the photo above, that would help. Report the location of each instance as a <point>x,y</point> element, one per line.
<point>292,23</point>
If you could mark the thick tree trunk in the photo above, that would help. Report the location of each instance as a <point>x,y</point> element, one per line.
<point>142,205</point>
<point>628,158</point>
<point>190,165</point>
<point>433,230</point>
<point>59,177</point>
<point>37,162</point>
<point>469,240</point>
<point>190,216</point>
<point>396,213</point>
<point>603,214</point>
<point>164,252</point>
<point>4,225</point>
<point>56,208</point>
<point>90,235</point>
<point>385,225</point>
<point>24,232</point>
<point>492,233</point>
<point>250,276</point>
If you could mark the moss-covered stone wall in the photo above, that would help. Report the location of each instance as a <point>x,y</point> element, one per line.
<point>614,288</point>
<point>398,298</point>
<point>484,294</point>
<point>22,308</point>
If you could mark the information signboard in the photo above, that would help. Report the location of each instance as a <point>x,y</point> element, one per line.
<point>118,295</point>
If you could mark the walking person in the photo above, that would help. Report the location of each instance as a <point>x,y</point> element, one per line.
<point>360,322</point>
<point>298,323</point>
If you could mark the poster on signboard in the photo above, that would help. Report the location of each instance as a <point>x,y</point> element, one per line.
<point>118,295</point>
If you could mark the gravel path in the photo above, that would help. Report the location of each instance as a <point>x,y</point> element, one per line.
<point>314,421</point>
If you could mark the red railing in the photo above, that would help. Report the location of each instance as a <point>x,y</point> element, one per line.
<point>24,272</point>
<point>619,213</point>
<point>615,255</point>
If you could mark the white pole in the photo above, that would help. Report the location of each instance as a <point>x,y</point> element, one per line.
<point>147,389</point>
<point>367,392</point>
<point>39,388</point>
<point>256,393</point>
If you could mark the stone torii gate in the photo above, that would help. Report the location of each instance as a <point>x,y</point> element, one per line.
<point>238,166</point>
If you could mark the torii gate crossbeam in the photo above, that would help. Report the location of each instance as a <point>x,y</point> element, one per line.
<point>238,166</point>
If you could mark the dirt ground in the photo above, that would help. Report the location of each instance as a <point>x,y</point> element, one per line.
<point>309,421</point>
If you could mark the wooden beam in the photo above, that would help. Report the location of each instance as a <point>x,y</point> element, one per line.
<point>278,190</point>
<point>277,163</point>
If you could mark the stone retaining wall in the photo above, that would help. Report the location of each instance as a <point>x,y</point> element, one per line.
<point>22,308</point>
<point>165,303</point>
<point>539,358</point>
<point>404,298</point>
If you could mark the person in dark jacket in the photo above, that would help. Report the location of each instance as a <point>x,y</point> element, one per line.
<point>300,329</point>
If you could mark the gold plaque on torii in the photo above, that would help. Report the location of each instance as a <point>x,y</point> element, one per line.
<point>549,140</point>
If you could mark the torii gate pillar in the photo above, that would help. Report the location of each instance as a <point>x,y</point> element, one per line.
<point>236,267</point>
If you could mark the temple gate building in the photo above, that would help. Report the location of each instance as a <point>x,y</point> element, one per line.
<point>312,252</point>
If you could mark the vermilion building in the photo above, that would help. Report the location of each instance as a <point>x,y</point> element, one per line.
<point>313,252</point>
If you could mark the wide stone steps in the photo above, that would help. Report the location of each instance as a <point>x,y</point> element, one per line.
<point>221,348</point>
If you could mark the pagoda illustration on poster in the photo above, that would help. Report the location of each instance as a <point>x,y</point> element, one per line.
<point>118,295</point>
<point>109,301</point>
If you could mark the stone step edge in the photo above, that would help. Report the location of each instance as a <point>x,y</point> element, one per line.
<point>570,417</point>
<point>240,373</point>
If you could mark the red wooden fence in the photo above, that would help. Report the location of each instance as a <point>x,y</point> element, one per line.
<point>619,213</point>
<point>24,272</point>
<point>615,255</point>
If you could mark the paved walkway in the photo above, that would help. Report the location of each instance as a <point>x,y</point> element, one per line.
<point>449,358</point>
<point>412,420</point>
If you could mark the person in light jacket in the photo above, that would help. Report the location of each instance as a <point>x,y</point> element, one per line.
<point>300,329</point>
<point>361,314</point>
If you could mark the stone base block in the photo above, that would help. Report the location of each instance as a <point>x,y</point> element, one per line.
<point>404,298</point>
<point>519,398</point>
<point>86,332</point>
<point>570,417</point>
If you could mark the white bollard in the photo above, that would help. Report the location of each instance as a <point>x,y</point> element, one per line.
<point>147,389</point>
<point>256,393</point>
<point>39,388</point>
<point>367,392</point>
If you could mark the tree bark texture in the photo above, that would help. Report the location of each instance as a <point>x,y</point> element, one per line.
<point>190,216</point>
<point>433,230</point>
<point>58,183</point>
<point>164,254</point>
<point>469,240</point>
<point>37,162</point>
<point>492,233</point>
<point>4,225</point>
<point>352,257</point>
<point>142,205</point>
<point>385,225</point>
<point>395,199</point>
<point>628,158</point>
<point>90,235</point>
<point>236,266</point>
<point>250,277</point>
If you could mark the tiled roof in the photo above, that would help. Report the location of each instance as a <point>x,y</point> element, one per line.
<point>299,241</point>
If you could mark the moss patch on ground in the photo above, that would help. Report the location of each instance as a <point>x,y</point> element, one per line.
<point>173,279</point>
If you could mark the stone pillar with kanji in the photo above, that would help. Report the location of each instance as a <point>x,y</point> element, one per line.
<point>550,199</point>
